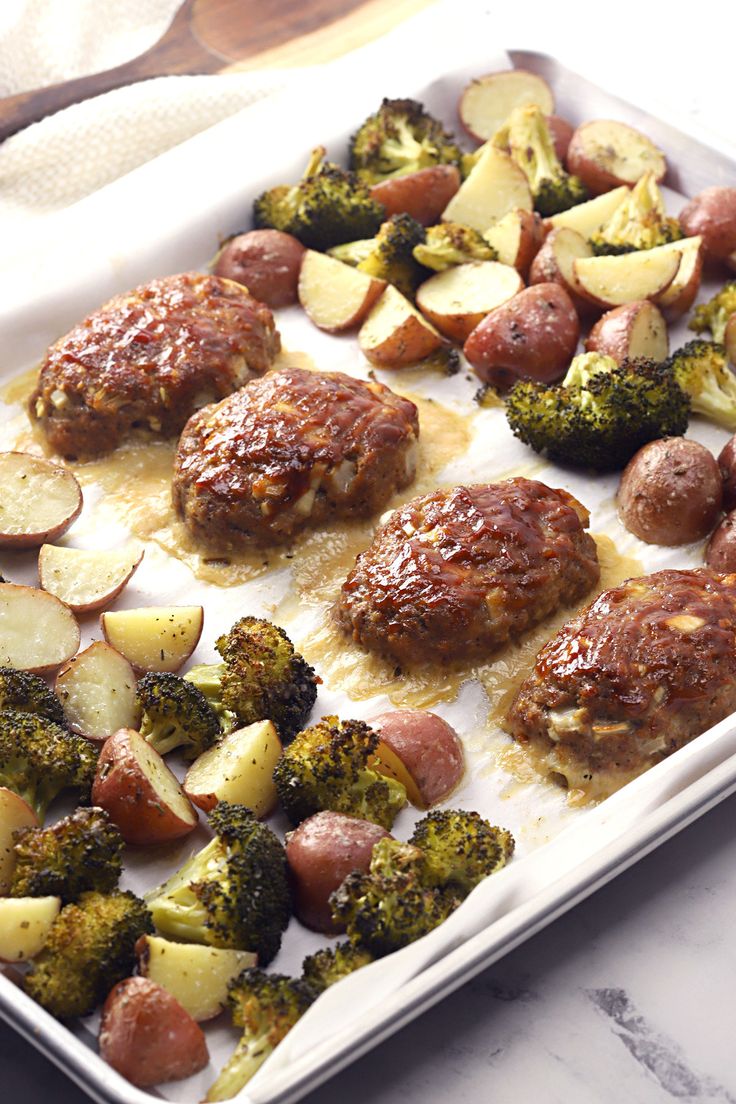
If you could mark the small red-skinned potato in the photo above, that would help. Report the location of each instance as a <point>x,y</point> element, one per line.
<point>727,467</point>
<point>678,298</point>
<point>334,295</point>
<point>555,264</point>
<point>238,769</point>
<point>38,500</point>
<point>37,632</point>
<point>154,638</point>
<point>561,132</point>
<point>611,281</point>
<point>321,852</point>
<point>517,237</point>
<point>86,580</point>
<point>606,154</point>
<point>97,690</point>
<point>488,101</point>
<point>139,792</point>
<point>197,976</point>
<point>729,339</point>
<point>423,194</point>
<point>711,214</point>
<point>15,813</point>
<point>395,334</point>
<point>589,217</point>
<point>421,751</point>
<point>456,300</point>
<point>267,262</point>
<point>25,923</point>
<point>533,336</point>
<point>148,1037</point>
<point>721,551</point>
<point>630,331</point>
<point>670,492</point>
<point>494,186</point>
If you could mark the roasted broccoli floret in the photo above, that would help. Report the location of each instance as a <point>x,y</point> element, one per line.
<point>29,694</point>
<point>601,413</point>
<point>400,138</point>
<point>330,964</point>
<point>260,678</point>
<point>639,222</point>
<point>714,314</point>
<point>79,853</point>
<point>328,767</point>
<point>327,206</point>
<point>702,371</point>
<point>525,136</point>
<point>461,848</point>
<point>89,949</point>
<point>451,244</point>
<point>232,893</point>
<point>266,1006</point>
<point>174,713</point>
<point>390,255</point>
<point>39,759</point>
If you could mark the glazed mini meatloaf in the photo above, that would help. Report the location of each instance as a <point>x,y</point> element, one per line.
<point>646,667</point>
<point>455,574</point>
<point>149,359</point>
<point>291,451</point>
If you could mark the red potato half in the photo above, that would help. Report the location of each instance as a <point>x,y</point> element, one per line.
<point>729,339</point>
<point>678,298</point>
<point>423,194</point>
<point>711,214</point>
<point>197,976</point>
<point>488,101</point>
<point>86,580</point>
<point>25,923</point>
<point>238,769</point>
<point>139,792</point>
<point>721,551</point>
<point>267,262</point>
<point>97,690</point>
<point>456,300</point>
<point>334,295</point>
<point>517,237</point>
<point>38,500</point>
<point>589,217</point>
<point>606,154</point>
<point>37,632</point>
<point>615,280</point>
<point>727,466</point>
<point>154,638</point>
<point>15,813</point>
<point>533,336</point>
<point>630,331</point>
<point>148,1037</point>
<point>395,334</point>
<point>561,132</point>
<point>495,186</point>
<point>422,751</point>
<point>321,852</point>
<point>555,264</point>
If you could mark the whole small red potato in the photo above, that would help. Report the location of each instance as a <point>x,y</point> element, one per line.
<point>321,852</point>
<point>423,194</point>
<point>670,492</point>
<point>562,133</point>
<point>721,551</point>
<point>532,336</point>
<point>148,1037</point>
<point>712,214</point>
<point>727,466</point>
<point>427,748</point>
<point>267,262</point>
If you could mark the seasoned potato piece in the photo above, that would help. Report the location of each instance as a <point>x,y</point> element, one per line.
<point>37,632</point>
<point>154,638</point>
<point>97,690</point>
<point>517,237</point>
<point>456,300</point>
<point>86,580</point>
<point>38,500</point>
<point>630,331</point>
<point>267,262</point>
<point>395,334</point>
<point>25,923</point>
<point>197,976</point>
<point>15,813</point>
<point>336,296</point>
<point>670,492</point>
<point>495,186</point>
<point>423,194</point>
<point>238,769</point>
<point>422,751</point>
<point>711,215</point>
<point>606,154</point>
<point>488,101</point>
<point>612,281</point>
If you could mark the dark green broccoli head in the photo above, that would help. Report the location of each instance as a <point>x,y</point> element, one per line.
<point>232,893</point>
<point>400,138</point>
<point>330,766</point>
<point>89,949</point>
<point>461,848</point>
<point>330,964</point>
<point>451,244</point>
<point>601,413</point>
<point>390,255</point>
<point>714,314</point>
<point>526,137</point>
<point>326,207</point>
<point>29,694</point>
<point>174,713</point>
<point>39,759</point>
<point>701,369</point>
<point>639,222</point>
<point>80,852</point>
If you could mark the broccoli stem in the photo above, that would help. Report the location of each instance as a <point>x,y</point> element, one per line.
<point>244,1063</point>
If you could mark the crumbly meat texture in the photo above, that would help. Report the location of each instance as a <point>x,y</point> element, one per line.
<point>641,671</point>
<point>455,574</point>
<point>150,358</point>
<point>291,451</point>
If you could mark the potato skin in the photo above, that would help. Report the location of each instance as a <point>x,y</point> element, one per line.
<point>721,551</point>
<point>587,159</point>
<point>147,1036</point>
<point>321,852</point>
<point>267,262</point>
<point>670,492</point>
<point>423,194</point>
<point>612,334</point>
<point>532,336</point>
<point>727,466</point>
<point>712,214</point>
<point>562,133</point>
<point>428,747</point>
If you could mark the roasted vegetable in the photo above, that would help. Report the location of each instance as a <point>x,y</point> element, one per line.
<point>526,137</point>
<point>714,314</point>
<point>639,222</point>
<point>39,759</point>
<point>461,848</point>
<point>390,255</point>
<point>451,244</point>
<point>401,137</point>
<point>81,852</point>
<point>330,964</point>
<point>174,713</point>
<point>28,693</point>
<point>701,369</point>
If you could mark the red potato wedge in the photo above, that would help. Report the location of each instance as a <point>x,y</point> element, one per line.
<point>589,217</point>
<point>154,638</point>
<point>613,281</point>
<point>495,186</point>
<point>335,296</point>
<point>37,632</point>
<point>139,792</point>
<point>630,331</point>
<point>267,262</point>
<point>321,852</point>
<point>15,813</point>
<point>517,237</point>
<point>422,751</point>
<point>86,580</point>
<point>487,102</point>
<point>606,154</point>
<point>395,334</point>
<point>25,923</point>
<point>456,300</point>
<point>148,1037</point>
<point>533,336</point>
<point>561,132</point>
<point>196,976</point>
<point>555,263</point>
<point>423,194</point>
<point>97,690</point>
<point>711,215</point>
<point>238,769</point>
<point>38,500</point>
<point>678,298</point>
<point>729,339</point>
<point>720,553</point>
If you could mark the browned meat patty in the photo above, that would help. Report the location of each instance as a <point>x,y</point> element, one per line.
<point>455,574</point>
<point>150,358</point>
<point>646,667</point>
<point>289,451</point>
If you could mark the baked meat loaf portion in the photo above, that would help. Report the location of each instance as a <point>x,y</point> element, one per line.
<point>149,359</point>
<point>455,574</point>
<point>292,450</point>
<point>642,670</point>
